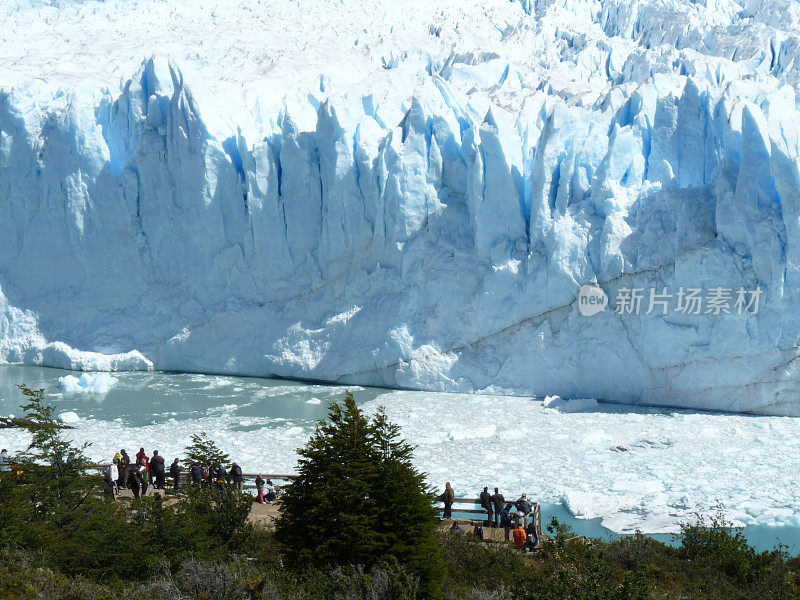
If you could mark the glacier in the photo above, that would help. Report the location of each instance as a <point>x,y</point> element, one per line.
<point>405,196</point>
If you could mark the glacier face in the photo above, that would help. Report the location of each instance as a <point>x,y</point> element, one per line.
<point>405,196</point>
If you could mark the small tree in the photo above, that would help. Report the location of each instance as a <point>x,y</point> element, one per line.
<point>53,504</point>
<point>358,500</point>
<point>204,451</point>
<point>56,471</point>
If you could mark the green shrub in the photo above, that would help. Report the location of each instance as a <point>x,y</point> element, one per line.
<point>718,544</point>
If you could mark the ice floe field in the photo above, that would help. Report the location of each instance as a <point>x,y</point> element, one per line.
<point>646,469</point>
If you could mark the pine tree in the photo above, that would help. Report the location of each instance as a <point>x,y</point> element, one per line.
<point>405,509</point>
<point>358,500</point>
<point>204,451</point>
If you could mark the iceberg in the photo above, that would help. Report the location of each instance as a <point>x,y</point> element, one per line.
<point>69,418</point>
<point>87,383</point>
<point>411,198</point>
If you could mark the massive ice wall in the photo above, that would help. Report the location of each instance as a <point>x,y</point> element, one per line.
<point>428,227</point>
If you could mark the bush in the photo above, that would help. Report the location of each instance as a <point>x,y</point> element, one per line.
<point>355,583</point>
<point>209,581</point>
<point>718,544</point>
<point>637,551</point>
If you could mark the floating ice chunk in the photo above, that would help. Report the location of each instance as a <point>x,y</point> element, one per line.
<point>570,406</point>
<point>68,418</point>
<point>314,401</point>
<point>87,383</point>
<point>472,433</point>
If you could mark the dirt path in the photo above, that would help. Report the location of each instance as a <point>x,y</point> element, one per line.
<point>264,514</point>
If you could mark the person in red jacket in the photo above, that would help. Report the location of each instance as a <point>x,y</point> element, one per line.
<point>143,460</point>
<point>520,536</point>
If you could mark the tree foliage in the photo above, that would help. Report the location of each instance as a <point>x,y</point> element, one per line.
<point>358,500</point>
<point>57,473</point>
<point>52,503</point>
<point>204,451</point>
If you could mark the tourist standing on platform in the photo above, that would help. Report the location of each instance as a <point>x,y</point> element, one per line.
<point>498,501</point>
<point>158,470</point>
<point>135,480</point>
<point>145,476</point>
<point>143,460</point>
<point>271,495</point>
<point>505,519</point>
<point>124,468</point>
<point>520,536</point>
<point>532,540</point>
<point>197,474</point>
<point>108,490</point>
<point>237,477</point>
<point>221,478</point>
<point>487,505</point>
<point>208,475</point>
<point>524,508</point>
<point>113,473</point>
<point>175,473</point>
<point>260,489</point>
<point>448,497</point>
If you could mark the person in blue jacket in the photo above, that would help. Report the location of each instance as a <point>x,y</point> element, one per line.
<point>505,519</point>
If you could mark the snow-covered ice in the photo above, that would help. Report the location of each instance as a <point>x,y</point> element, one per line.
<point>407,194</point>
<point>68,418</point>
<point>576,405</point>
<point>87,383</point>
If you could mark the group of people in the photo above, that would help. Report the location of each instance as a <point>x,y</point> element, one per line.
<point>140,474</point>
<point>498,508</point>
<point>500,513</point>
